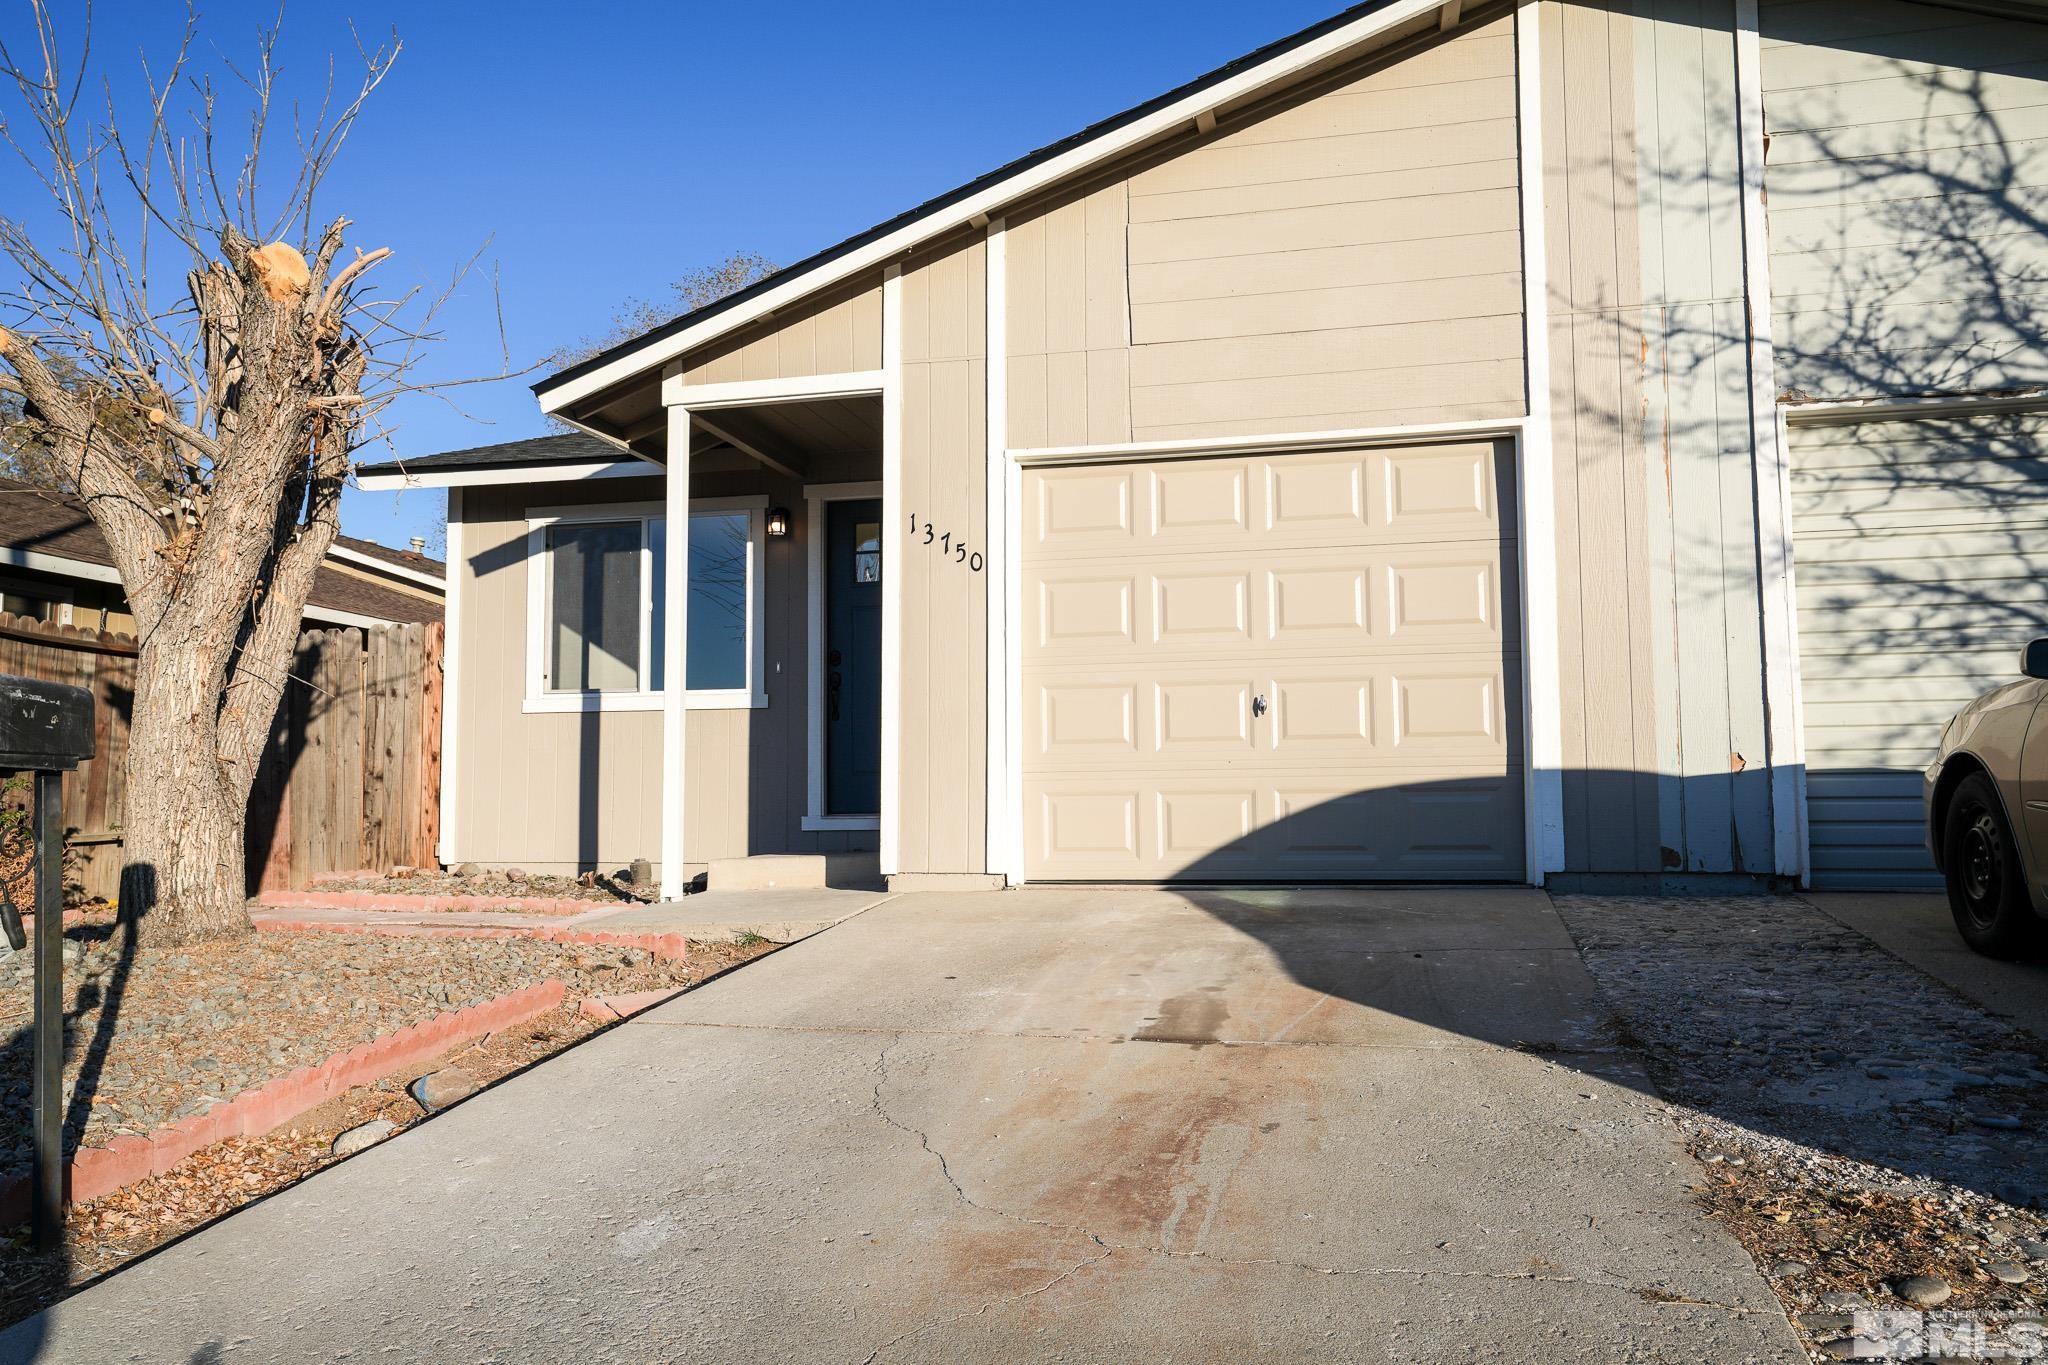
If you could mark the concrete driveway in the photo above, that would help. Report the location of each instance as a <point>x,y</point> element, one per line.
<point>1077,1125</point>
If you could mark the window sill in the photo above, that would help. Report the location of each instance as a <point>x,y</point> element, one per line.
<point>572,702</point>
<point>813,824</point>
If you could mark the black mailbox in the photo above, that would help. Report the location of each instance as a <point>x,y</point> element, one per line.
<point>45,728</point>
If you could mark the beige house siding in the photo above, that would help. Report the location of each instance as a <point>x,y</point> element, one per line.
<point>1908,172</point>
<point>1662,705</point>
<point>563,792</point>
<point>1349,258</point>
<point>839,334</point>
<point>942,671</point>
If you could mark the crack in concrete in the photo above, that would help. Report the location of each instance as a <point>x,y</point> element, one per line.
<point>1658,1297</point>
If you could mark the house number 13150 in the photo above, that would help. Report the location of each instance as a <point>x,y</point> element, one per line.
<point>945,543</point>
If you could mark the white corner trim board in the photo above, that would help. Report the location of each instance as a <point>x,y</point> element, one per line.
<point>451,687</point>
<point>892,561</point>
<point>675,628</point>
<point>989,202</point>
<point>1001,853</point>
<point>1772,480</point>
<point>1543,718</point>
<point>816,496</point>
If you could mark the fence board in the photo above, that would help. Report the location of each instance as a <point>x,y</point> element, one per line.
<point>350,777</point>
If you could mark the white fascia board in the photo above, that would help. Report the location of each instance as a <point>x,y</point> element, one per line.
<point>510,474</point>
<point>59,564</point>
<point>747,392</point>
<point>345,554</point>
<point>990,202</point>
<point>333,617</point>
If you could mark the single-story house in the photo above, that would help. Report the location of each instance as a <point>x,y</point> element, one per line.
<point>55,566</point>
<point>1584,442</point>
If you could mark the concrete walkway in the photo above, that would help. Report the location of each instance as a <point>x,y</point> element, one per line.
<point>1075,1125</point>
<point>1918,928</point>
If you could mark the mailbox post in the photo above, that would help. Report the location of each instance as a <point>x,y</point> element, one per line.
<point>46,729</point>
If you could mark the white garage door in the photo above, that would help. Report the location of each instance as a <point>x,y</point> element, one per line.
<point>1273,667</point>
<point>1922,565</point>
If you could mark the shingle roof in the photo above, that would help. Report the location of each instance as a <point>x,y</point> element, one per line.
<point>404,559</point>
<point>52,523</point>
<point>566,447</point>
<point>973,187</point>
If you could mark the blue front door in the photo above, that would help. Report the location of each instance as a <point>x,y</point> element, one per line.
<point>853,657</point>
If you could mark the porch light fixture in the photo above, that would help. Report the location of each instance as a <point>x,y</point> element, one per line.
<point>778,521</point>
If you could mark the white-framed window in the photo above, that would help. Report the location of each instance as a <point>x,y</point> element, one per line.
<point>595,605</point>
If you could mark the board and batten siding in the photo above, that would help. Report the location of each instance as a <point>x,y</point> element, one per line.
<point>1350,258</point>
<point>555,792</point>
<point>942,669</point>
<point>838,334</point>
<point>1663,732</point>
<point>1908,176</point>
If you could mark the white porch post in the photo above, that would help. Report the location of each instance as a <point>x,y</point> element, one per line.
<point>675,624</point>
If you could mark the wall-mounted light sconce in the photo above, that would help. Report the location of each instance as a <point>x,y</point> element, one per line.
<point>778,521</point>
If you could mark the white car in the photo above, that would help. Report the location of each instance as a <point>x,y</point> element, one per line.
<point>1987,812</point>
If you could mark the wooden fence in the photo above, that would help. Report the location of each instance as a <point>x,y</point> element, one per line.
<point>350,779</point>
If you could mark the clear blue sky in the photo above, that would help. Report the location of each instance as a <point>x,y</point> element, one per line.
<point>605,148</point>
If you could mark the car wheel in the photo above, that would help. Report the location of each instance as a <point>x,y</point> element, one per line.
<point>1987,885</point>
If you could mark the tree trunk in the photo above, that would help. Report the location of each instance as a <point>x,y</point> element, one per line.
<point>182,876</point>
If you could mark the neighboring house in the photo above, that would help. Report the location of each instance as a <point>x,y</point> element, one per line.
<point>54,566</point>
<point>1441,444</point>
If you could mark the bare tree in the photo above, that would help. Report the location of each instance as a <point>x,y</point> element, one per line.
<point>204,406</point>
<point>697,289</point>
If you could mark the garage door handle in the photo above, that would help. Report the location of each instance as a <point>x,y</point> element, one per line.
<point>1258,706</point>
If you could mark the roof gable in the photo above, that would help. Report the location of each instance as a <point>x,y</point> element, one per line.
<point>1250,76</point>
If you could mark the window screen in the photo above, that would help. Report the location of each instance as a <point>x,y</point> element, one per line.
<point>594,607</point>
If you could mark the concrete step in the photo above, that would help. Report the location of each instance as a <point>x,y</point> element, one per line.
<point>765,871</point>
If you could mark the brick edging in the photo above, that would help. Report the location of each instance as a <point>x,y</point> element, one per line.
<point>392,900</point>
<point>667,947</point>
<point>97,1171</point>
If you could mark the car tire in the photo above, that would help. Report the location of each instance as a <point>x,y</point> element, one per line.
<point>1987,883</point>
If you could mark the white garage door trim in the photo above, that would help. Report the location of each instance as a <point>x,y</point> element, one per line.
<point>1540,713</point>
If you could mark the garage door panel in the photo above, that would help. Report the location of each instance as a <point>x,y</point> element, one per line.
<point>1201,716</point>
<point>1205,607</point>
<point>1921,559</point>
<point>1083,828</point>
<point>1088,719</point>
<point>1459,490</point>
<point>1316,495</point>
<point>1089,508</point>
<point>1198,499</point>
<point>1361,594</point>
<point>1085,610</point>
<point>1314,604</point>
<point>1215,826</point>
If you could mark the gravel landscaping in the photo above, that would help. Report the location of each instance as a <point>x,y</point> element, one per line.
<point>511,883</point>
<point>1874,1139</point>
<point>155,1036</point>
